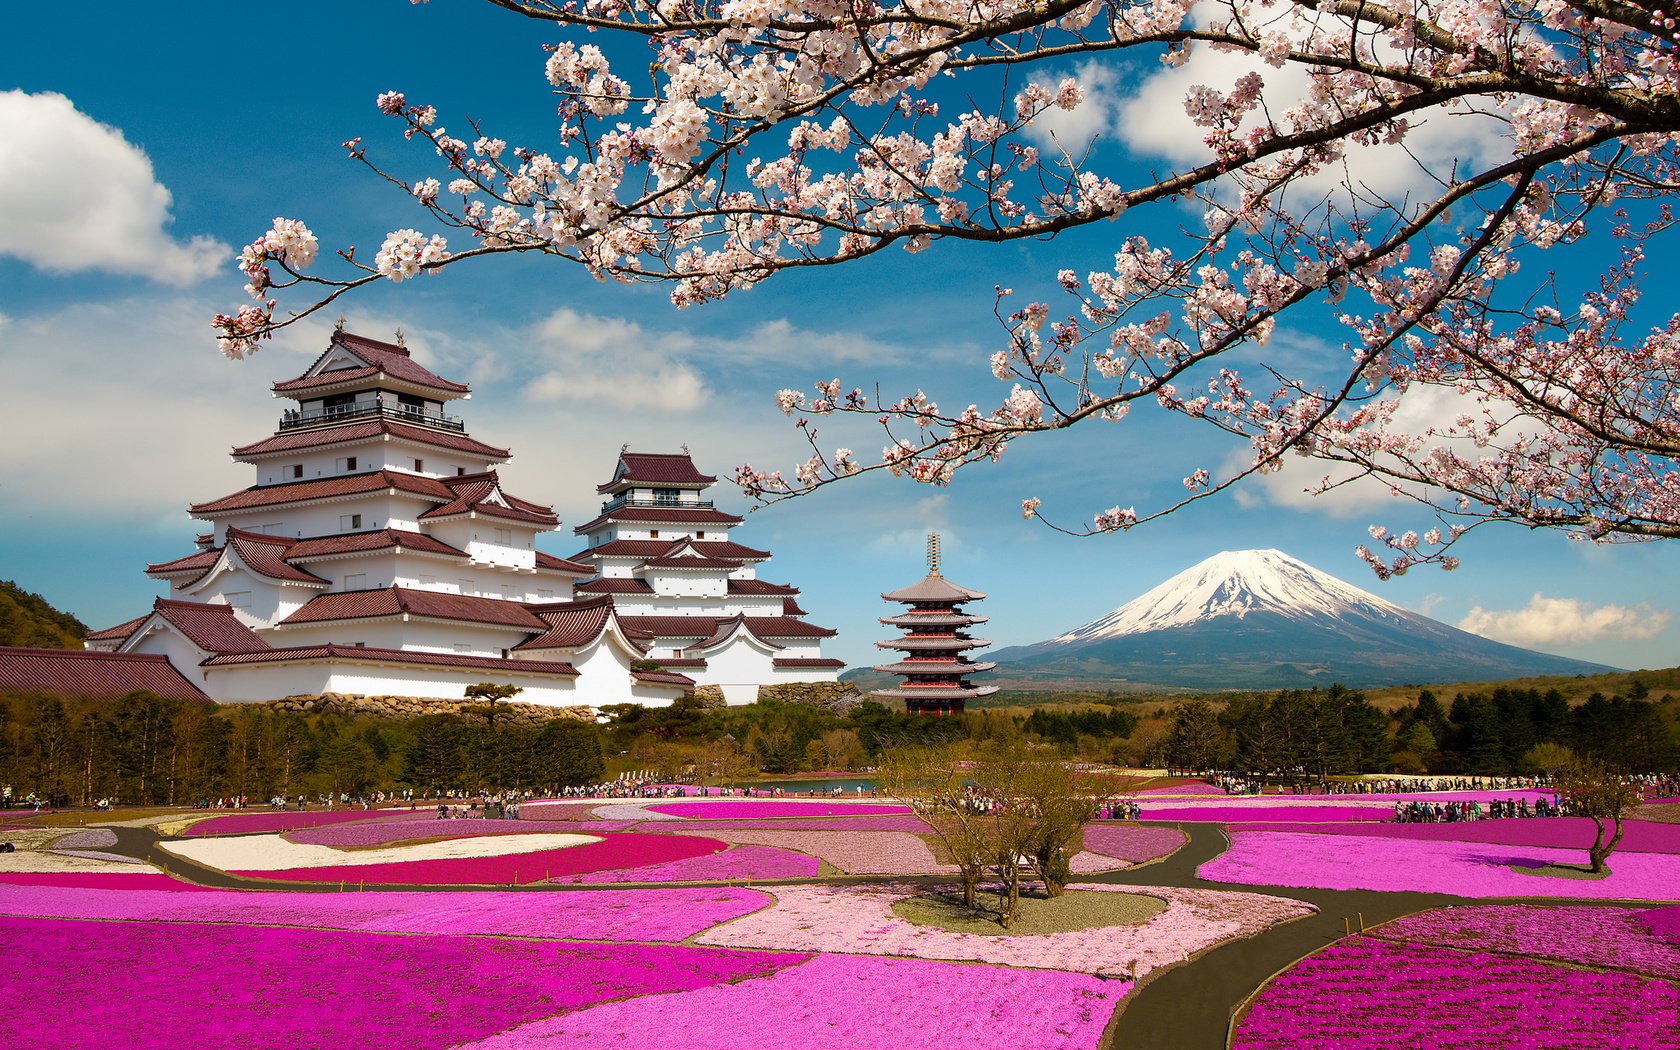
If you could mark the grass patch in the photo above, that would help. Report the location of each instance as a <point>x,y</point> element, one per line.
<point>1073,910</point>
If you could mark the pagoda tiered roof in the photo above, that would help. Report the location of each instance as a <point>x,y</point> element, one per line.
<point>932,619</point>
<point>379,360</point>
<point>938,692</point>
<point>357,431</point>
<point>933,588</point>
<point>943,668</point>
<point>933,644</point>
<point>656,470</point>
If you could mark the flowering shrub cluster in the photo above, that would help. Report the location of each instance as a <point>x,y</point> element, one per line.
<point>738,808</point>
<point>860,919</point>
<point>1607,938</point>
<point>117,879</point>
<point>286,820</point>
<point>264,986</point>
<point>911,1004</point>
<point>738,862</point>
<point>853,852</point>
<point>1364,993</point>
<point>1466,869</point>
<point>673,914</point>
<point>1264,813</point>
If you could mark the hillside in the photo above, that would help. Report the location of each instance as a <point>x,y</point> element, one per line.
<point>27,619</point>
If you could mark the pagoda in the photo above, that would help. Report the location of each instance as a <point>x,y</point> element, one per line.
<point>936,647</point>
<point>378,552</point>
<point>661,552</point>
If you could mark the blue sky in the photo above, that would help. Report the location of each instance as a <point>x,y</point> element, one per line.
<point>178,138</point>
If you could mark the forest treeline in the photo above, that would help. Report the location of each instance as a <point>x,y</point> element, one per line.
<point>142,749</point>
<point>1502,731</point>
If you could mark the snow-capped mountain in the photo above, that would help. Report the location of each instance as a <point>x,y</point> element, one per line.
<point>1261,619</point>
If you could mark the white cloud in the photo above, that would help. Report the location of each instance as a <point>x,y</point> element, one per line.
<point>1566,622</point>
<point>586,359</point>
<point>1071,131</point>
<point>76,195</point>
<point>1153,120</point>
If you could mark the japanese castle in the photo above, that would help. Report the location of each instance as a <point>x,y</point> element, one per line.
<point>378,554</point>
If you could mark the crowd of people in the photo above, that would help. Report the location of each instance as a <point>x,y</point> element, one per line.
<point>1419,812</point>
<point>1246,784</point>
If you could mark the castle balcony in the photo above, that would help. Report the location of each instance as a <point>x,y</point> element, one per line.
<point>661,504</point>
<point>298,419</point>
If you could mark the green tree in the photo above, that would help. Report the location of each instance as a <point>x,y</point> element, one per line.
<point>488,695</point>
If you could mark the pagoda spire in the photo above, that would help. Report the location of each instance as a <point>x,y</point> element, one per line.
<point>933,553</point>
<point>936,660</point>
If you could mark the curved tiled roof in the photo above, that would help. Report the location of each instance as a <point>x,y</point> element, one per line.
<point>692,516</point>
<point>655,468</point>
<point>672,626</point>
<point>761,587</point>
<point>550,562</point>
<point>380,357</point>
<point>933,588</point>
<point>266,556</point>
<point>297,440</point>
<point>571,625</point>
<point>198,562</point>
<point>792,663</point>
<point>473,492</point>
<point>707,627</point>
<point>655,548</point>
<point>213,627</point>
<point>677,564</point>
<point>614,585</point>
<point>120,632</point>
<point>92,675</point>
<point>786,627</point>
<point>360,542</point>
<point>403,656</point>
<point>258,496</point>
<point>396,601</point>
<point>671,678</point>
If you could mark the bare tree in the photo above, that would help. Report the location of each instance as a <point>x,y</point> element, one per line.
<point>1592,790</point>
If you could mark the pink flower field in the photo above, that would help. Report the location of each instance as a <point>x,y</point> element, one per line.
<point>384,833</point>
<point>739,862</point>
<point>261,986</point>
<point>859,919</point>
<point>1226,814</point>
<point>738,808</point>
<point>615,850</point>
<point>673,914</point>
<point>1639,836</point>
<point>1603,937</point>
<point>1132,843</point>
<point>245,823</point>
<point>902,822</point>
<point>99,880</point>
<point>1465,869</point>
<point>853,852</point>
<point>1363,993</point>
<point>842,1002</point>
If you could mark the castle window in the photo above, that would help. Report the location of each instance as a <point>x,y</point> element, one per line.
<point>296,470</point>
<point>347,522</point>
<point>347,464</point>
<point>504,537</point>
<point>355,581</point>
<point>666,495</point>
<point>419,465</point>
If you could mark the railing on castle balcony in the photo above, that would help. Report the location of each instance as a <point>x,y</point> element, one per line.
<point>297,419</point>
<point>661,504</point>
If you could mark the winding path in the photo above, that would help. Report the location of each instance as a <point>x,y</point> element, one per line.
<point>1187,1007</point>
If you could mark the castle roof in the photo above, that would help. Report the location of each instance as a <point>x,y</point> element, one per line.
<point>363,430</point>
<point>369,654</point>
<point>266,555</point>
<point>363,542</point>
<point>377,359</point>
<point>807,663</point>
<point>768,628</point>
<point>482,494</point>
<point>659,469</point>
<point>681,514</point>
<point>644,549</point>
<point>400,601</point>
<point>120,632</point>
<point>462,494</point>
<point>213,627</point>
<point>553,564</point>
<point>94,675</point>
<point>571,625</point>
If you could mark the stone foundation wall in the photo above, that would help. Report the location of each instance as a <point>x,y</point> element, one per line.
<point>512,713</point>
<point>830,696</point>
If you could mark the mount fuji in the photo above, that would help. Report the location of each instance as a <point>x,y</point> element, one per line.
<point>1260,619</point>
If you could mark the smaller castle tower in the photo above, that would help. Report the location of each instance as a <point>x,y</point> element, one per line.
<point>936,663</point>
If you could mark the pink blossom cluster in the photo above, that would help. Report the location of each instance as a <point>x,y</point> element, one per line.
<point>1363,993</point>
<point>740,808</point>
<point>258,986</point>
<point>752,863</point>
<point>906,822</point>
<point>615,850</point>
<point>1465,869</point>
<point>859,919</point>
<point>843,1002</point>
<point>126,881</point>
<point>853,852</point>
<point>1596,936</point>
<point>669,914</point>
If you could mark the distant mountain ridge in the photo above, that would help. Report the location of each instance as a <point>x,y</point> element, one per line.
<point>1259,619</point>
